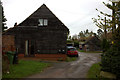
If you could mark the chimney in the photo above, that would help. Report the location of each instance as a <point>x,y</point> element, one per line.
<point>15,25</point>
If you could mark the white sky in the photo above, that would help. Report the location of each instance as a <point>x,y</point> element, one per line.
<point>75,14</point>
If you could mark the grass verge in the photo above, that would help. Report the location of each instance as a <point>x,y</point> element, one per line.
<point>94,71</point>
<point>89,51</point>
<point>25,68</point>
<point>69,59</point>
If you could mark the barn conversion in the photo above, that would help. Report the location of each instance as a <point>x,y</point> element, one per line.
<point>40,35</point>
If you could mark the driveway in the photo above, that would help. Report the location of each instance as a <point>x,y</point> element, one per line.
<point>74,69</point>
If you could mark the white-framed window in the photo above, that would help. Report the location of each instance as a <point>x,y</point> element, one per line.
<point>45,22</point>
<point>42,22</point>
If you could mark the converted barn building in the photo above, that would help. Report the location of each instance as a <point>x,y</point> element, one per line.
<point>42,34</point>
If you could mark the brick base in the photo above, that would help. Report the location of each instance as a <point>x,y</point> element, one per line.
<point>53,57</point>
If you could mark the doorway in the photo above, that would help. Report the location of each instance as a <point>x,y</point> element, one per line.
<point>29,48</point>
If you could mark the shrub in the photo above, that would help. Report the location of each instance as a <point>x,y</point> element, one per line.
<point>105,45</point>
<point>110,59</point>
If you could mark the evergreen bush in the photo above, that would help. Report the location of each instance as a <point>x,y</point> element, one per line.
<point>110,59</point>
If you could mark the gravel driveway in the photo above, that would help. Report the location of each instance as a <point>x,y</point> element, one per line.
<point>74,69</point>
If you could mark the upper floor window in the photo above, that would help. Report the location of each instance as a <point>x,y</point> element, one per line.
<point>42,22</point>
<point>45,22</point>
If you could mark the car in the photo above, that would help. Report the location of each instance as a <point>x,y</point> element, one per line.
<point>71,51</point>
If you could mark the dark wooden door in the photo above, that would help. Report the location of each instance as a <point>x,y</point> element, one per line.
<point>31,47</point>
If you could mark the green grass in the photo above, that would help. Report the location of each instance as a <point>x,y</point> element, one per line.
<point>89,51</point>
<point>69,59</point>
<point>94,71</point>
<point>80,50</point>
<point>25,68</point>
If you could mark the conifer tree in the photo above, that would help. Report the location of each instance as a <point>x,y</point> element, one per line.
<point>4,27</point>
<point>111,56</point>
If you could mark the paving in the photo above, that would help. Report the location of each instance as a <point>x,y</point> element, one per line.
<point>74,69</point>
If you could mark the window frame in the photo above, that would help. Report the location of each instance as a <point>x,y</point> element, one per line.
<point>42,22</point>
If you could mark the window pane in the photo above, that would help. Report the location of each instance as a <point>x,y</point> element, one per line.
<point>40,22</point>
<point>45,22</point>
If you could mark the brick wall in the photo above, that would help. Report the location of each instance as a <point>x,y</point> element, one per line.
<point>8,43</point>
<point>53,57</point>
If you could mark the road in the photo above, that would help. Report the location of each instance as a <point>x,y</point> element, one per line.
<point>74,69</point>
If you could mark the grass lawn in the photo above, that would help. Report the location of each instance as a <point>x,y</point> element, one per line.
<point>94,71</point>
<point>25,68</point>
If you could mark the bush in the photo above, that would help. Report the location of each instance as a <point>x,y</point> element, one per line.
<point>76,44</point>
<point>110,59</point>
<point>105,45</point>
<point>111,62</point>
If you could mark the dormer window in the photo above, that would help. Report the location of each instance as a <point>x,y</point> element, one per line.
<point>42,22</point>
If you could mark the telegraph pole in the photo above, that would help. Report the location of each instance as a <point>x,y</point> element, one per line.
<point>119,14</point>
<point>0,39</point>
<point>115,3</point>
<point>113,18</point>
<point>105,31</point>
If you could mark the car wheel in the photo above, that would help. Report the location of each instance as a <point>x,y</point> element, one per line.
<point>77,56</point>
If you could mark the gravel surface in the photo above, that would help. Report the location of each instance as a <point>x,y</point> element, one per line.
<point>74,69</point>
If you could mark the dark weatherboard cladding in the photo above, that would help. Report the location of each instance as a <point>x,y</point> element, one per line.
<point>41,33</point>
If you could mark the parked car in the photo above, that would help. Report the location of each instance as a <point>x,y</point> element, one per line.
<point>71,51</point>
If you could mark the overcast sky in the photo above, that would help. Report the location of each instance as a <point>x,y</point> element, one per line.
<point>75,14</point>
